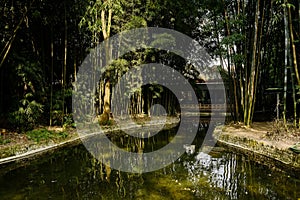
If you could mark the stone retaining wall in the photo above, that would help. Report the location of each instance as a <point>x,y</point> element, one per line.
<point>283,159</point>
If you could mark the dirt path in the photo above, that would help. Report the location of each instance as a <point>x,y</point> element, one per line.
<point>269,133</point>
<point>266,142</point>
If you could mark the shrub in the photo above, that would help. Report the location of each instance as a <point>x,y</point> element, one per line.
<point>27,115</point>
<point>39,135</point>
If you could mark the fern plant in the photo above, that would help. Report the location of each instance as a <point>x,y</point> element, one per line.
<point>28,114</point>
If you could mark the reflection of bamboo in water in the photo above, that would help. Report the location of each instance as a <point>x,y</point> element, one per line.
<point>108,172</point>
<point>234,186</point>
<point>120,184</point>
<point>243,172</point>
<point>101,172</point>
<point>250,177</point>
<point>226,173</point>
<point>139,144</point>
<point>230,178</point>
<point>104,169</point>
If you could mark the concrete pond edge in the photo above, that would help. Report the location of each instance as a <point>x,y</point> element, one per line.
<point>40,151</point>
<point>278,159</point>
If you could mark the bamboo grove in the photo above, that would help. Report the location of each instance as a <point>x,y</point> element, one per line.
<point>44,42</point>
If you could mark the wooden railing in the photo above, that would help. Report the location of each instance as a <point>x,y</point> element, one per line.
<point>207,110</point>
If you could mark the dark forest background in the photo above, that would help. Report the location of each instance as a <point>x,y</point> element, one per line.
<point>43,43</point>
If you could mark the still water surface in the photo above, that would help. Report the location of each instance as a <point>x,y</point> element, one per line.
<point>72,173</point>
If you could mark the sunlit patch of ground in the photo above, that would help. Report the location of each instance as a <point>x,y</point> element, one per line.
<point>270,133</point>
<point>13,143</point>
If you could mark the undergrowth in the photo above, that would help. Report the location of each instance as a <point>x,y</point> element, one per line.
<point>39,135</point>
<point>3,141</point>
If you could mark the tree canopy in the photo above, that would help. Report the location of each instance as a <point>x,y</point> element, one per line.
<point>44,42</point>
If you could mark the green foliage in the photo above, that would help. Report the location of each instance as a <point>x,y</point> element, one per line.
<point>39,135</point>
<point>57,114</point>
<point>91,21</point>
<point>135,22</point>
<point>29,106</point>
<point>163,40</point>
<point>156,91</point>
<point>233,39</point>
<point>30,77</point>
<point>35,59</point>
<point>28,113</point>
<point>238,59</point>
<point>68,121</point>
<point>3,141</point>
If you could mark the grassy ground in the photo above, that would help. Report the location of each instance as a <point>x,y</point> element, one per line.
<point>13,143</point>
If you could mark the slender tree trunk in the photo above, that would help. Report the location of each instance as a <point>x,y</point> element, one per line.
<point>258,52</point>
<point>294,94</point>
<point>231,73</point>
<point>286,41</point>
<point>64,67</point>
<point>51,84</point>
<point>250,98</point>
<point>295,64</point>
<point>298,89</point>
<point>106,26</point>
<point>293,45</point>
<point>75,66</point>
<point>8,45</point>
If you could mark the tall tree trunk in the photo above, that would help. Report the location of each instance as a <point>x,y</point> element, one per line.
<point>231,72</point>
<point>51,84</point>
<point>64,66</point>
<point>294,94</point>
<point>286,41</point>
<point>8,45</point>
<point>295,64</point>
<point>106,26</point>
<point>293,45</point>
<point>251,83</point>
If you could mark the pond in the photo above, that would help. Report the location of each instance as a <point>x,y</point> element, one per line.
<point>72,173</point>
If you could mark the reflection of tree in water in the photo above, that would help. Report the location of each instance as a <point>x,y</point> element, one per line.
<point>233,176</point>
<point>217,172</point>
<point>75,173</point>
